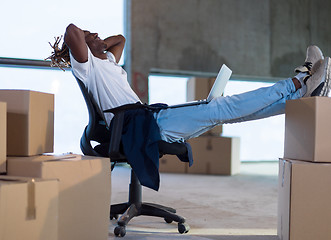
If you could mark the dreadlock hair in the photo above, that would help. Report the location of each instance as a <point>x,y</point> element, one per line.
<point>60,56</point>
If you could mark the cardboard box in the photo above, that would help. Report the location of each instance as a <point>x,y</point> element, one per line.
<point>215,155</point>
<point>307,129</point>
<point>198,89</point>
<point>3,136</point>
<point>30,122</point>
<point>84,191</point>
<point>172,164</point>
<point>28,208</point>
<point>304,197</point>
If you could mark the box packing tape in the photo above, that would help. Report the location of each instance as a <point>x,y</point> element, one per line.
<point>31,194</point>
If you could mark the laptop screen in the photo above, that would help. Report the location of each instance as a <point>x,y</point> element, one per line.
<point>222,78</point>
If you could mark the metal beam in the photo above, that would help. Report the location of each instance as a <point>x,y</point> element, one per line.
<point>27,63</point>
<point>234,77</point>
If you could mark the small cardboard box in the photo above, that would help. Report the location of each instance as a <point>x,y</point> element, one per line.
<point>307,129</point>
<point>3,136</point>
<point>198,89</point>
<point>84,191</point>
<point>30,122</point>
<point>172,164</point>
<point>28,208</point>
<point>215,155</point>
<point>304,197</point>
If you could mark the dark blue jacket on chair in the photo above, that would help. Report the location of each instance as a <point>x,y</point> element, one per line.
<point>140,137</point>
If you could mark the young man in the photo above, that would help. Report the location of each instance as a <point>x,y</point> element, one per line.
<point>95,62</point>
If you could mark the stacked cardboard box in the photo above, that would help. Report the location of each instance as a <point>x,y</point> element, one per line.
<point>305,171</point>
<point>198,89</point>
<point>212,153</point>
<point>28,208</point>
<point>215,155</point>
<point>83,190</point>
<point>3,136</point>
<point>30,122</point>
<point>171,164</point>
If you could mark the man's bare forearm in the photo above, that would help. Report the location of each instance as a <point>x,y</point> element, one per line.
<point>113,41</point>
<point>115,45</point>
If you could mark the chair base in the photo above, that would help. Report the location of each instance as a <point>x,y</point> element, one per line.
<point>129,211</point>
<point>135,207</point>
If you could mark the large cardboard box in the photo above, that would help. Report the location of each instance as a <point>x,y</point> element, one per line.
<point>30,122</point>
<point>198,89</point>
<point>84,191</point>
<point>215,155</point>
<point>304,197</point>
<point>3,136</point>
<point>307,129</point>
<point>28,208</point>
<point>172,164</point>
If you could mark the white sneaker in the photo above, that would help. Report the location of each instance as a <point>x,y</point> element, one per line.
<point>313,56</point>
<point>318,84</point>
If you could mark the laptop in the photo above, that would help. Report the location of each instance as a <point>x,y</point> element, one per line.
<point>221,80</point>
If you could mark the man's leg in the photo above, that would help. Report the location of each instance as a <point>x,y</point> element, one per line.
<point>271,110</point>
<point>317,84</point>
<point>179,124</point>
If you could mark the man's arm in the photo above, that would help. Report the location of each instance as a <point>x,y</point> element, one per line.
<point>75,39</point>
<point>115,45</point>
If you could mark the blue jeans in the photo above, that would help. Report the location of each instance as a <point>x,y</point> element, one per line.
<point>179,124</point>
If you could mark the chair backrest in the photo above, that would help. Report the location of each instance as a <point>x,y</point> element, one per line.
<point>96,129</point>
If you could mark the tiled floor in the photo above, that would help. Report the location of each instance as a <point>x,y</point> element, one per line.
<point>240,207</point>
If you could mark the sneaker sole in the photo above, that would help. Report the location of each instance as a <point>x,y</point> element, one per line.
<point>327,82</point>
<point>317,89</point>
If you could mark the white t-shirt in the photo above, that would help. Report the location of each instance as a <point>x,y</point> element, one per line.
<point>106,81</point>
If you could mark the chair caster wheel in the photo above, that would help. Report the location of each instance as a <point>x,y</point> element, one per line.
<point>183,228</point>
<point>119,231</point>
<point>168,220</point>
<point>111,217</point>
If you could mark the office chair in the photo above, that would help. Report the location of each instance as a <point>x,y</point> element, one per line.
<point>109,146</point>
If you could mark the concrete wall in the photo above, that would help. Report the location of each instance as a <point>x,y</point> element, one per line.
<point>265,38</point>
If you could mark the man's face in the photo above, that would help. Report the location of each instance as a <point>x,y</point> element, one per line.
<point>97,45</point>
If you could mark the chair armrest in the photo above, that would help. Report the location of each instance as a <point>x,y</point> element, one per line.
<point>172,148</point>
<point>125,107</point>
<point>138,105</point>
